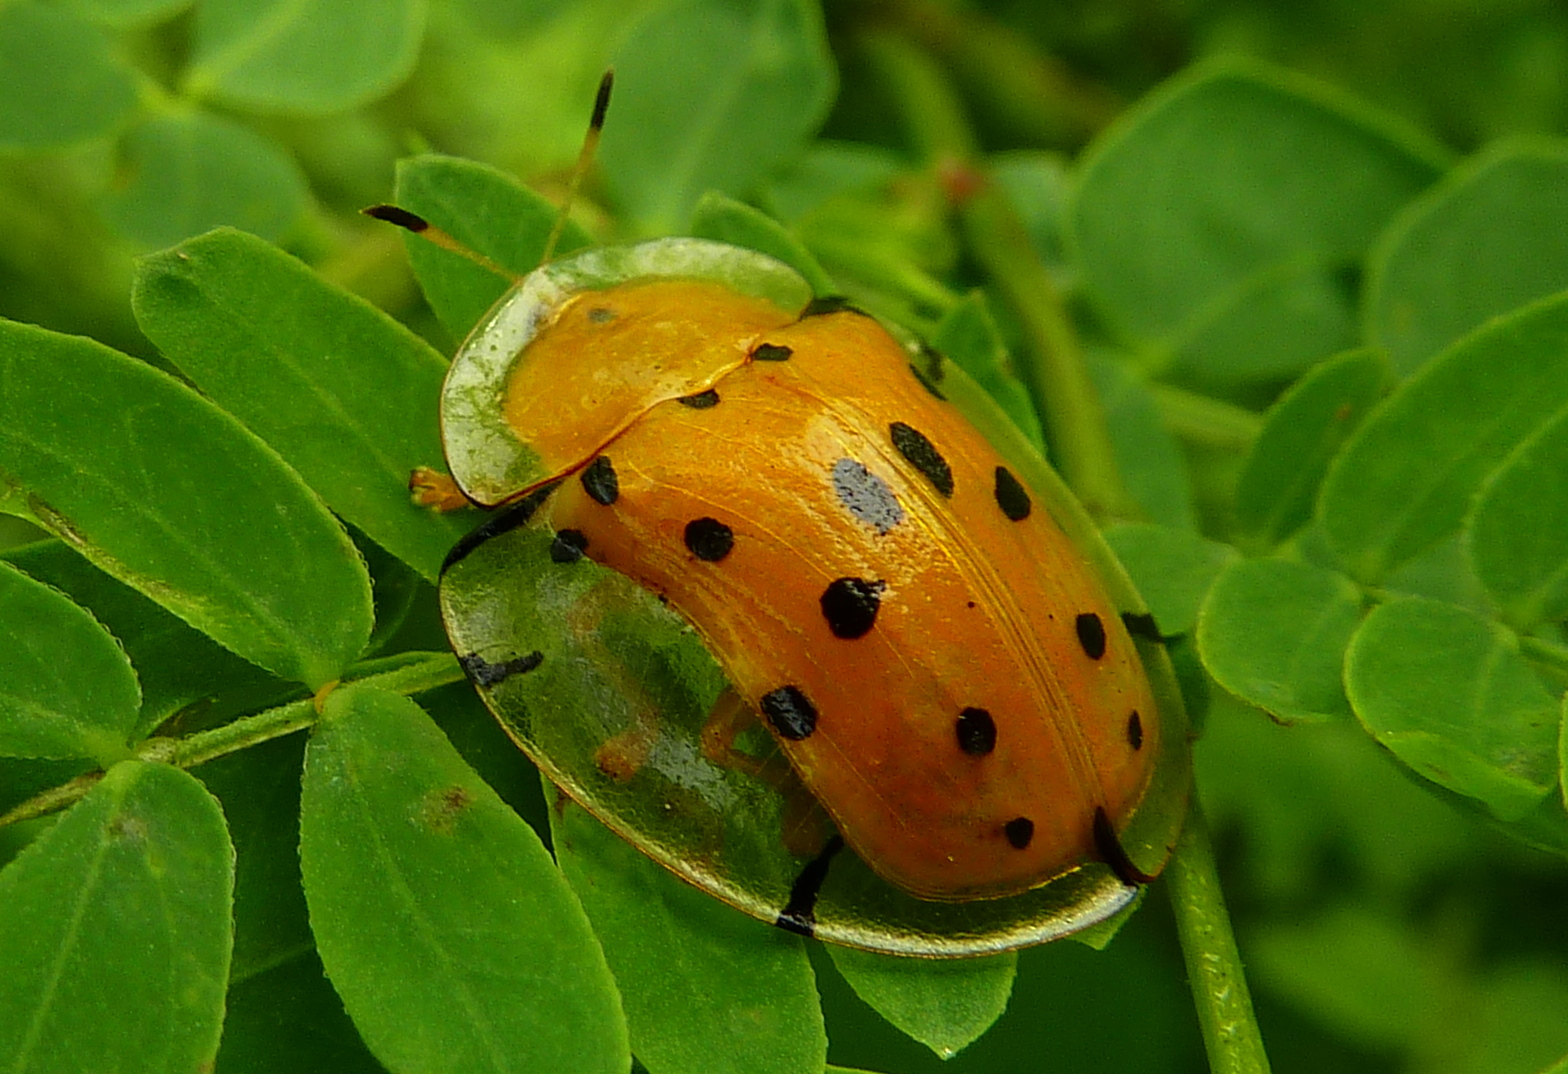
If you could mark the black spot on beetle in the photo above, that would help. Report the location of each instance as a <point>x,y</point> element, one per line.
<point>771,352</point>
<point>800,912</point>
<point>850,606</point>
<point>482,672</point>
<point>1135,730</point>
<point>866,495</point>
<point>819,307</point>
<point>923,456</point>
<point>1020,832</point>
<point>1091,635</point>
<point>1011,496</point>
<point>709,539</point>
<point>701,401</point>
<point>568,546</point>
<point>1113,853</point>
<point>600,481</point>
<point>601,315</point>
<point>790,712</point>
<point>976,732</point>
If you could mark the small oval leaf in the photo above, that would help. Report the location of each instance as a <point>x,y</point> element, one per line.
<point>1172,569</point>
<point>489,212</point>
<point>1490,237</point>
<point>66,687</point>
<point>748,999</point>
<point>310,56</point>
<point>1303,431</point>
<point>946,1006</point>
<point>1212,221</point>
<point>344,393</point>
<point>191,171</point>
<point>1518,533</point>
<point>1273,632</point>
<point>1448,693</point>
<point>175,498</point>
<point>754,82</point>
<point>441,920</point>
<point>1405,480</point>
<point>62,83</point>
<point>115,930</point>
<point>723,219</point>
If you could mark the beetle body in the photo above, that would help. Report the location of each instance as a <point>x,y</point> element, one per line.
<point>941,662</point>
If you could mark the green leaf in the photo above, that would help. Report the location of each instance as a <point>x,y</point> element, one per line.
<point>944,1005</point>
<point>825,170</point>
<point>1173,569</point>
<point>705,987</point>
<point>66,687</point>
<point>1303,431</point>
<point>724,219</point>
<point>1406,478</point>
<point>1273,632</point>
<point>189,172</point>
<point>487,211</point>
<point>177,665</point>
<point>968,334</point>
<point>344,393</point>
<point>712,95</point>
<point>129,12</point>
<point>1518,530</point>
<point>1037,184</point>
<point>62,83</point>
<point>1448,693</point>
<point>115,928</point>
<point>1213,222</point>
<point>173,497</point>
<point>1147,455</point>
<point>442,921</point>
<point>303,56</point>
<point>1490,237</point>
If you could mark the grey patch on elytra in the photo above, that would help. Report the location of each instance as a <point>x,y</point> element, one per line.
<point>866,495</point>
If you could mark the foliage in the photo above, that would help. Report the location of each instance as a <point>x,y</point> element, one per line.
<point>1312,291</point>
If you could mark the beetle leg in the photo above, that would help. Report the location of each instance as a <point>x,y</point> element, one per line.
<point>804,825</point>
<point>433,489</point>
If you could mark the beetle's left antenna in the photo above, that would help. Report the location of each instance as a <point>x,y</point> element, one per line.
<point>418,225</point>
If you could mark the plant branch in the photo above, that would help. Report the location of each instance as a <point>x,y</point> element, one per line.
<point>1214,972</point>
<point>409,673</point>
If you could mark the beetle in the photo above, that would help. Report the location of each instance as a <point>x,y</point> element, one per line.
<point>696,459</point>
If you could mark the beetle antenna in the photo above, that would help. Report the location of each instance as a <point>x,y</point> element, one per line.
<point>418,225</point>
<point>601,104</point>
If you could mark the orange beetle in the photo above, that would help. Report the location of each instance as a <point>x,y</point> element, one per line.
<point>941,662</point>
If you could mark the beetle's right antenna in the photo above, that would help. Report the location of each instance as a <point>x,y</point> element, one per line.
<point>601,105</point>
<point>418,225</point>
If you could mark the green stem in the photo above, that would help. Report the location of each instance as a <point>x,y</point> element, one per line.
<point>1200,419</point>
<point>1056,376</point>
<point>409,673</point>
<point>1214,972</point>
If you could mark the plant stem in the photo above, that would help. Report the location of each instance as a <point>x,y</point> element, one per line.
<point>1214,972</point>
<point>1200,419</point>
<point>409,673</point>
